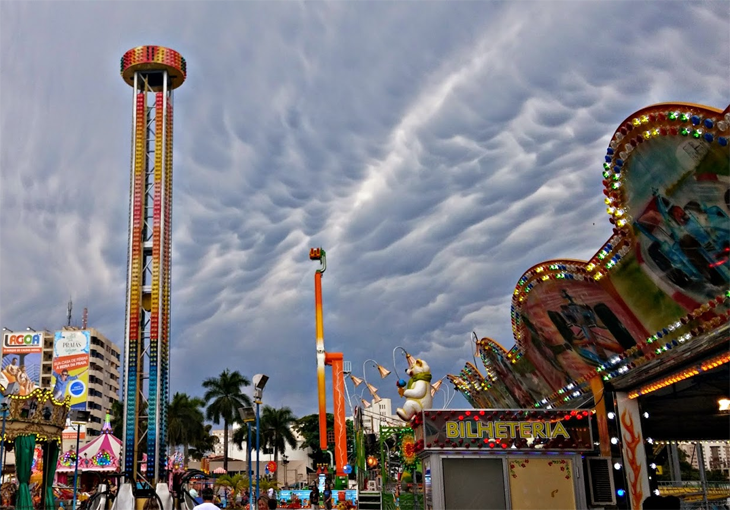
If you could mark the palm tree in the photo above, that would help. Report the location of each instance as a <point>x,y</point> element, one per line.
<point>237,483</point>
<point>276,427</point>
<point>224,396</point>
<point>117,419</point>
<point>185,422</point>
<point>203,444</point>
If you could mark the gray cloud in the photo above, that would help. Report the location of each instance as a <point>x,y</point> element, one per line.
<point>436,153</point>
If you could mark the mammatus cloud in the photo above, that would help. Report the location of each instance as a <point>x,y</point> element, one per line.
<point>436,154</point>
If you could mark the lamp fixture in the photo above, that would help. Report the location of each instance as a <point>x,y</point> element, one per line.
<point>384,372</point>
<point>435,386</point>
<point>372,389</point>
<point>247,414</point>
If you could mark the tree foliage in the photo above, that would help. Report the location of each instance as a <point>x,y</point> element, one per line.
<point>308,427</point>
<point>186,426</point>
<point>276,426</point>
<point>224,397</point>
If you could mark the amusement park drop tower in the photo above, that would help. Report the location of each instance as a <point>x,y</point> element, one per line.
<point>153,72</point>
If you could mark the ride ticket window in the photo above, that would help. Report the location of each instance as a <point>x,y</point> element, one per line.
<point>474,484</point>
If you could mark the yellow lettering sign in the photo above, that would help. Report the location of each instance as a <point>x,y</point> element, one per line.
<point>525,429</point>
<point>484,429</point>
<point>500,430</point>
<point>538,430</point>
<point>559,430</point>
<point>452,429</point>
<point>505,429</point>
<point>470,433</point>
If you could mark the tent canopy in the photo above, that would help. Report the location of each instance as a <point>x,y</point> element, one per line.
<point>102,454</point>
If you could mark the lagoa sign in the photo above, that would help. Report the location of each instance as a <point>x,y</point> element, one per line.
<point>515,429</point>
<point>22,340</point>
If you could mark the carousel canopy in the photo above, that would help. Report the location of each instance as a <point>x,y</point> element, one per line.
<point>102,454</point>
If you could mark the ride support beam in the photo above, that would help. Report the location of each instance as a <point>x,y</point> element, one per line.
<point>335,360</point>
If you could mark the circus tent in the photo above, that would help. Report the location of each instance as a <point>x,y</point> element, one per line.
<point>101,454</point>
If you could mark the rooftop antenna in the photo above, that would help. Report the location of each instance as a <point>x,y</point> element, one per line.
<point>68,314</point>
<point>85,318</point>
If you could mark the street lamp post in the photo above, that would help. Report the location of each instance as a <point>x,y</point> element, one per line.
<point>4,407</point>
<point>248,416</point>
<point>285,461</point>
<point>76,467</point>
<point>259,381</point>
<point>76,464</point>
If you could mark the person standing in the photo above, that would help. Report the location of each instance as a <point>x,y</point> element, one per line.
<point>314,498</point>
<point>207,503</point>
<point>327,495</point>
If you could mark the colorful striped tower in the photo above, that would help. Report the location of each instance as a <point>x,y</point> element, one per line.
<point>153,72</point>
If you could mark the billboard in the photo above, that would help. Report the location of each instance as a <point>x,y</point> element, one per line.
<point>21,362</point>
<point>71,367</point>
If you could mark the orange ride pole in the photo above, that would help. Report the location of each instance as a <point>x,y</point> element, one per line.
<point>319,254</point>
<point>599,405</point>
<point>338,399</point>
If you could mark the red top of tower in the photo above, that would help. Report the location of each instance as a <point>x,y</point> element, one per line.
<point>151,58</point>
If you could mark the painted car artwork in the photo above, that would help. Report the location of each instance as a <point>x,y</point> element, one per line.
<point>661,278</point>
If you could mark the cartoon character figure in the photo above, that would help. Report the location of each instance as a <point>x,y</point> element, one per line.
<point>417,392</point>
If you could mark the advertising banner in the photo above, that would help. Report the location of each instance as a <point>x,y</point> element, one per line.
<point>505,429</point>
<point>21,362</point>
<point>71,367</point>
<point>301,497</point>
<point>70,433</point>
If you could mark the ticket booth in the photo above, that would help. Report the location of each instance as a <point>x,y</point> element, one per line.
<point>486,458</point>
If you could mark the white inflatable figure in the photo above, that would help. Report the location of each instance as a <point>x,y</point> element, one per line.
<point>417,392</point>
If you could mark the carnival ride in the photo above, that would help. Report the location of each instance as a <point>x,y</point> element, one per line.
<point>182,486</point>
<point>33,425</point>
<point>153,72</point>
<point>654,296</point>
<point>334,359</point>
<point>689,244</point>
<point>673,245</point>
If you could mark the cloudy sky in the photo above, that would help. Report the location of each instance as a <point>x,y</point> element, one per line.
<point>435,150</point>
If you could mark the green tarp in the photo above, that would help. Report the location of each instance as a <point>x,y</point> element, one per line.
<point>50,459</point>
<point>24,450</point>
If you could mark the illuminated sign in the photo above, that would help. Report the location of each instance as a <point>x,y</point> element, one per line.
<point>505,430</point>
<point>498,429</point>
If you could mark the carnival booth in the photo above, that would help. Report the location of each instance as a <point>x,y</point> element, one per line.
<point>32,426</point>
<point>99,456</point>
<point>486,458</point>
